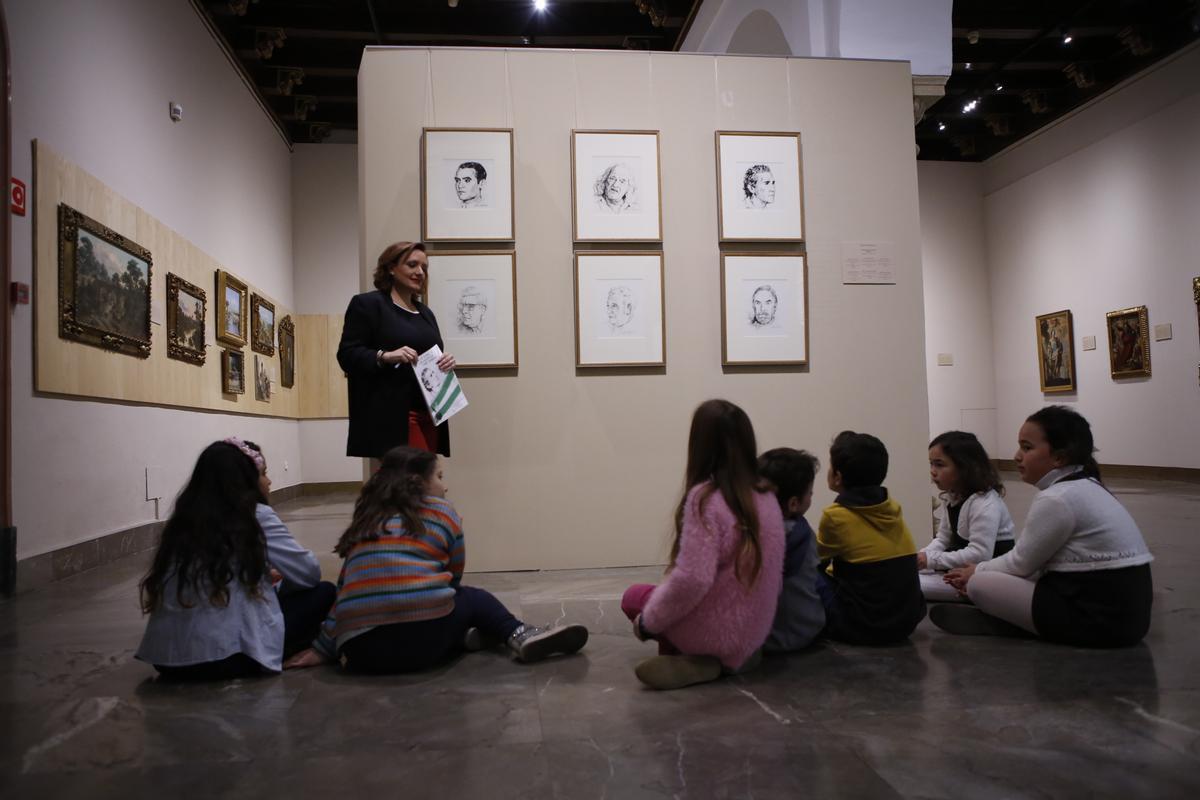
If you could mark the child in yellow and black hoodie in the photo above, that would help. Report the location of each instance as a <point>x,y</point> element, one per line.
<point>869,584</point>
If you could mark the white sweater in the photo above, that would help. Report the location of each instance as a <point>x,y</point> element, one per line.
<point>1075,526</point>
<point>982,521</point>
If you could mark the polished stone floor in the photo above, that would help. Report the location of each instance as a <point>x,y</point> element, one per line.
<point>940,717</point>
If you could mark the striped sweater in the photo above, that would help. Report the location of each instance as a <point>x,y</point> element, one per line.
<point>399,577</point>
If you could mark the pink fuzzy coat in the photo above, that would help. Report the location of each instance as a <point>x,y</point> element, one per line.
<point>701,606</point>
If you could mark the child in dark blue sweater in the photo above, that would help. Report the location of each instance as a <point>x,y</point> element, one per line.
<point>800,615</point>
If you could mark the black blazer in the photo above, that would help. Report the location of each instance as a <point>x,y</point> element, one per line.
<point>382,396</point>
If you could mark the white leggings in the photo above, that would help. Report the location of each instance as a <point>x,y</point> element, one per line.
<point>1005,596</point>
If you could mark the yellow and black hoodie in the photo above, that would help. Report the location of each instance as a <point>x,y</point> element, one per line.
<point>872,592</point>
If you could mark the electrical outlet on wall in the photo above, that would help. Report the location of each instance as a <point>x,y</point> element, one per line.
<point>285,465</point>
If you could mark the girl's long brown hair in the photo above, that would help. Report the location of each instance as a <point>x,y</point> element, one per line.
<point>722,453</point>
<point>396,489</point>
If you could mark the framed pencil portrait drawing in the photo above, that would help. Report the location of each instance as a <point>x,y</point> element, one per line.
<point>619,310</point>
<point>1056,351</point>
<point>764,309</point>
<point>760,187</point>
<point>262,322</point>
<point>287,353</point>
<point>232,310</point>
<point>185,320</point>
<point>474,297</point>
<point>1129,342</point>
<point>233,372</point>
<point>467,184</point>
<point>103,286</point>
<point>616,186</point>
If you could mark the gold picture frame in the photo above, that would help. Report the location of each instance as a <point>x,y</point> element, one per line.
<point>745,211</point>
<point>186,304</point>
<point>103,286</point>
<point>233,371</point>
<point>474,295</point>
<point>1196,297</point>
<point>262,325</point>
<point>287,353</point>
<point>620,309</point>
<point>467,185</point>
<point>600,161</point>
<point>1129,342</point>
<point>764,309</point>
<point>231,309</point>
<point>1055,333</point>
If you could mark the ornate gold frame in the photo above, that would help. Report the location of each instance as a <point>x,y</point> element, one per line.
<point>1196,296</point>
<point>287,353</point>
<point>70,222</point>
<point>226,281</point>
<point>1069,348</point>
<point>227,357</point>
<point>259,342</point>
<point>175,346</point>
<point>1139,316</point>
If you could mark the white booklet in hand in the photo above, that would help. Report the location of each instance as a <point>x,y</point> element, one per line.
<point>443,393</point>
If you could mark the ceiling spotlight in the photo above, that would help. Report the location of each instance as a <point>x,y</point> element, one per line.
<point>941,126</point>
<point>539,5</point>
<point>999,87</point>
<point>968,65</point>
<point>1067,39</point>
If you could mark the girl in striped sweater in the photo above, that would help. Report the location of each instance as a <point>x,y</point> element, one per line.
<point>401,605</point>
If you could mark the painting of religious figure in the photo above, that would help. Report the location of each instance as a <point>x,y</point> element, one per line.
<point>1129,342</point>
<point>1056,352</point>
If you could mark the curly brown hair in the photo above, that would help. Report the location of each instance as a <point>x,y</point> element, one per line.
<point>395,489</point>
<point>393,254</point>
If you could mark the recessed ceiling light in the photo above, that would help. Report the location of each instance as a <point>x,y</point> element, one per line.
<point>968,65</point>
<point>1067,39</point>
<point>539,5</point>
<point>941,126</point>
<point>999,87</point>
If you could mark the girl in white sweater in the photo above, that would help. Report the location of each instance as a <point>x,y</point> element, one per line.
<point>976,525</point>
<point>1080,572</point>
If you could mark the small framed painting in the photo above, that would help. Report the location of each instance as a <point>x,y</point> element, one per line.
<point>1056,351</point>
<point>474,296</point>
<point>262,320</point>
<point>1129,342</point>
<point>619,310</point>
<point>103,286</point>
<point>760,187</point>
<point>764,309</point>
<point>231,310</point>
<point>262,379</point>
<point>233,372</point>
<point>616,186</point>
<point>287,353</point>
<point>185,320</point>
<point>467,184</point>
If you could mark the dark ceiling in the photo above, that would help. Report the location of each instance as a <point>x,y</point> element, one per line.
<point>1010,56</point>
<point>303,55</point>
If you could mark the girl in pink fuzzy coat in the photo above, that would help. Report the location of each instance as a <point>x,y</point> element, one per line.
<point>715,607</point>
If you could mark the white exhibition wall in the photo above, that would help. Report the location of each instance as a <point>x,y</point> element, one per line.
<point>557,467</point>
<point>92,81</point>
<point>1096,213</point>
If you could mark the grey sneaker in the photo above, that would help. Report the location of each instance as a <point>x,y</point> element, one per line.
<point>676,672</point>
<point>530,643</point>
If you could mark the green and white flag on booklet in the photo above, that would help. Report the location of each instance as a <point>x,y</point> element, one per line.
<point>443,393</point>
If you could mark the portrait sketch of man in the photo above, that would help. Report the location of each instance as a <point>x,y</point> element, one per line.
<point>758,186</point>
<point>430,379</point>
<point>470,184</point>
<point>472,309</point>
<point>616,189</point>
<point>764,305</point>
<point>620,307</point>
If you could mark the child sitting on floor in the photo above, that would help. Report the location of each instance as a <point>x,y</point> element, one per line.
<point>870,587</point>
<point>800,615</point>
<point>976,525</point>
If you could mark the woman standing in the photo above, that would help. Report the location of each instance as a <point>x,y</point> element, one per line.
<point>385,330</point>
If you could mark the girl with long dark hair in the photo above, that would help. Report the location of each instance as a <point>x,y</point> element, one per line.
<point>230,591</point>
<point>401,605</point>
<point>716,605</point>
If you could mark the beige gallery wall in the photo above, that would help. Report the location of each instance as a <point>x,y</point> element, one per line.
<point>554,467</point>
